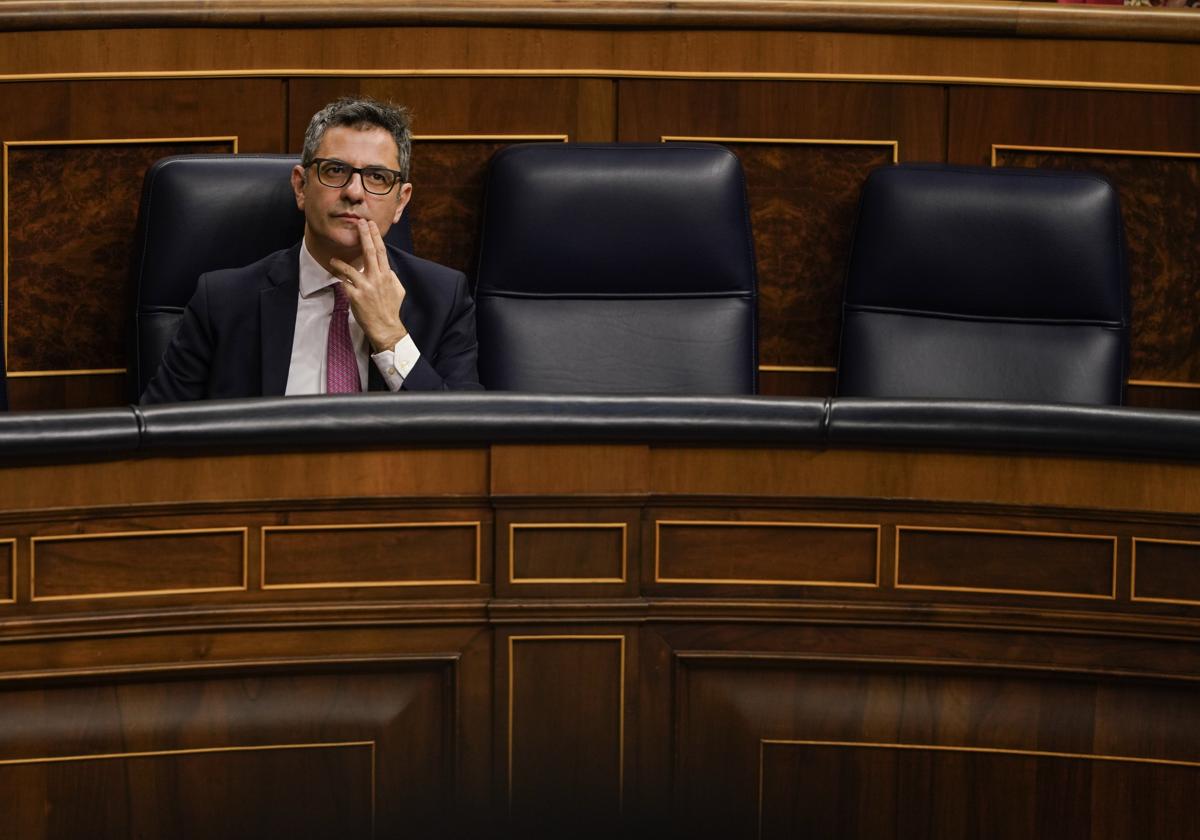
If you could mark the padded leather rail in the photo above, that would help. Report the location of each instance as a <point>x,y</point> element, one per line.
<point>470,419</point>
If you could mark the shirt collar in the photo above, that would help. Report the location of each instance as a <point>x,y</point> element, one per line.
<point>313,278</point>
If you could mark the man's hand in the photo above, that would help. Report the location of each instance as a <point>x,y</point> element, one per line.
<point>375,292</point>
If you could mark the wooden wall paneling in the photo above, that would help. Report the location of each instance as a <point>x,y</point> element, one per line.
<point>565,734</point>
<point>459,123</point>
<point>1164,571</point>
<point>725,44</point>
<point>1118,135</point>
<point>571,552</point>
<point>8,570</point>
<point>802,194</point>
<point>727,709</point>
<point>74,160</point>
<point>323,749</point>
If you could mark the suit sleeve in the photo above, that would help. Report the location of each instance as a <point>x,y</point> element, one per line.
<point>454,364</point>
<point>183,373</point>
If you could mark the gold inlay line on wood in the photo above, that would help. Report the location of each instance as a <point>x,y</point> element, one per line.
<point>516,138</point>
<point>11,542</point>
<point>4,219</point>
<point>554,526</point>
<point>797,369</point>
<point>765,742</point>
<point>58,759</point>
<point>1002,591</point>
<point>571,637</point>
<point>658,578</point>
<point>366,526</point>
<point>593,72</point>
<point>1133,596</point>
<point>34,541</point>
<point>794,141</point>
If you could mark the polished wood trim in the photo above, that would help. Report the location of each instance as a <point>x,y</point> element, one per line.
<point>554,526</point>
<point>797,369</point>
<point>795,141</point>
<point>937,18</point>
<point>11,542</point>
<point>266,529</point>
<point>658,578</point>
<point>34,541</point>
<point>567,637</point>
<point>4,221</point>
<point>1077,150</point>
<point>599,73</point>
<point>1000,591</point>
<point>1133,596</point>
<point>58,759</point>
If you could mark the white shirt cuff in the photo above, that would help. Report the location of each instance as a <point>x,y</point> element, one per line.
<point>397,363</point>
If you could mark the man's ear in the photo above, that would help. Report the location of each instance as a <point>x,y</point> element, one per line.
<point>402,201</point>
<point>298,185</point>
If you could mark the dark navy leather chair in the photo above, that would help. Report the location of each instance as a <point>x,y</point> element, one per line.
<point>200,213</point>
<point>1006,284</point>
<point>616,268</point>
<point>3,380</point>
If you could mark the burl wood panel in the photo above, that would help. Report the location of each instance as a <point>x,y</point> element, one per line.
<point>766,552</point>
<point>69,296</point>
<point>384,554</point>
<point>725,710</point>
<point>850,792</point>
<point>983,561</point>
<point>566,728</point>
<point>568,551</point>
<point>448,175</point>
<point>1165,570</point>
<point>1160,205</point>
<point>1158,196</point>
<point>802,197</point>
<point>317,791</point>
<point>403,714</point>
<point>109,565</point>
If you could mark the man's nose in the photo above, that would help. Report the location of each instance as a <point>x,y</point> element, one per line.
<point>354,189</point>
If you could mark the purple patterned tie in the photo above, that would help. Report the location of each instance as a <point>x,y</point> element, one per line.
<point>341,367</point>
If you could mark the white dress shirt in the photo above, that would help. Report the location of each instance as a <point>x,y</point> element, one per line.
<point>306,374</point>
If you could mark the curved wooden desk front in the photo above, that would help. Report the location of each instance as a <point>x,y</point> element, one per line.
<point>749,638</point>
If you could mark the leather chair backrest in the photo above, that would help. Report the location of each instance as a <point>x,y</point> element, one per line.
<point>202,213</point>
<point>3,378</point>
<point>979,283</point>
<point>616,268</point>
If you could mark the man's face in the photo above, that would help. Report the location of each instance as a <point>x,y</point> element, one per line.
<point>331,213</point>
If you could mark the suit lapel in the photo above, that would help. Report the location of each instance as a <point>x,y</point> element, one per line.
<point>277,320</point>
<point>410,312</point>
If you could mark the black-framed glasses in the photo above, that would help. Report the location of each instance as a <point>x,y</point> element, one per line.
<point>377,180</point>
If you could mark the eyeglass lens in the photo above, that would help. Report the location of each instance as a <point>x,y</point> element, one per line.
<point>336,174</point>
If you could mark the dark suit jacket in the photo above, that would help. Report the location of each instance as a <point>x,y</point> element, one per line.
<point>235,339</point>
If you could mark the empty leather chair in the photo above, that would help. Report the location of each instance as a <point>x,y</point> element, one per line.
<point>201,213</point>
<point>616,268</point>
<point>3,383</point>
<point>1006,284</point>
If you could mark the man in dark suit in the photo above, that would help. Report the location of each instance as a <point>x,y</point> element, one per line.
<point>340,311</point>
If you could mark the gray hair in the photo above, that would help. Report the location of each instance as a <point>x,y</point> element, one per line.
<point>361,113</point>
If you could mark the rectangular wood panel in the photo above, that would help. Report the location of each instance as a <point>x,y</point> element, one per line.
<point>372,554</point>
<point>71,211</point>
<point>566,729</point>
<point>860,791</point>
<point>285,790</point>
<point>8,570</point>
<point>132,563</point>
<point>567,552</point>
<point>969,560</point>
<point>1165,571</point>
<point>815,553</point>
